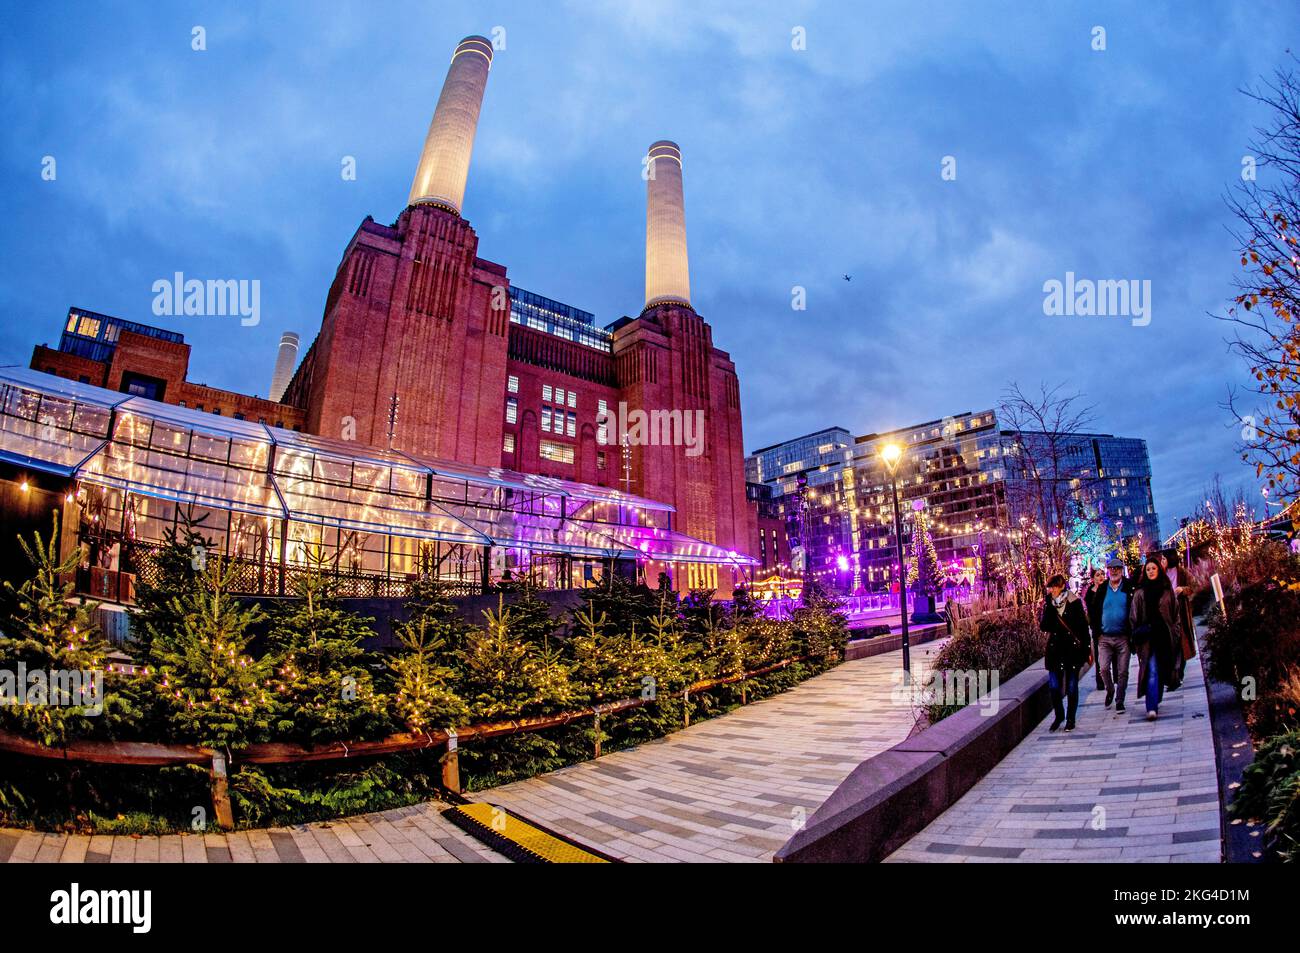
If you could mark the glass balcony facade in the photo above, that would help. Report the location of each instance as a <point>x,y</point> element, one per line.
<point>557,318</point>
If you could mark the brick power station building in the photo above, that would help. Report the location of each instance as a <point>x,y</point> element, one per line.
<point>425,348</point>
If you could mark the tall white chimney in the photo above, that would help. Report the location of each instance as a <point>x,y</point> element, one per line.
<point>444,163</point>
<point>667,277</point>
<point>285,361</point>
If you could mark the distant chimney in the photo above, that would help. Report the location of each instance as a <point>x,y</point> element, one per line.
<point>666,275</point>
<point>285,361</point>
<point>444,163</point>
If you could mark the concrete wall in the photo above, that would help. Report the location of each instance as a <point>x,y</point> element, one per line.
<point>890,797</point>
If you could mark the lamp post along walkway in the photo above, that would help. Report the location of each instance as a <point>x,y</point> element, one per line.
<point>892,453</point>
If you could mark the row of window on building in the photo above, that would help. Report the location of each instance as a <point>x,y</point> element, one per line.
<point>559,416</point>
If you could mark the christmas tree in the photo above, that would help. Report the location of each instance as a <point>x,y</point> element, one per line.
<point>925,561</point>
<point>1088,539</point>
<point>421,695</point>
<point>176,567</point>
<point>217,693</point>
<point>326,692</point>
<point>502,674</point>
<point>47,639</point>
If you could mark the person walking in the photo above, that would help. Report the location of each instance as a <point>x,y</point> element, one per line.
<point>1109,616</point>
<point>1068,648</point>
<point>1153,618</point>
<point>1180,580</point>
<point>1095,585</point>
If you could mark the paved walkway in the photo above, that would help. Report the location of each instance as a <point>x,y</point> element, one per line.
<point>728,789</point>
<point>416,833</point>
<point>732,788</point>
<point>1118,788</point>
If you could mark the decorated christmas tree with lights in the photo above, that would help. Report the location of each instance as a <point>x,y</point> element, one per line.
<point>219,694</point>
<point>925,560</point>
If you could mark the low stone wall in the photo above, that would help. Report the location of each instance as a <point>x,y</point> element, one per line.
<point>880,644</point>
<point>891,797</point>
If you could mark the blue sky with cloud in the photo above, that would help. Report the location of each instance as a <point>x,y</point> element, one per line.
<point>800,166</point>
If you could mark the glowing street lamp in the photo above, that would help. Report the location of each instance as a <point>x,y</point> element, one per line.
<point>891,453</point>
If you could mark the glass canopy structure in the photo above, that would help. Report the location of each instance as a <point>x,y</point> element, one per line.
<point>276,501</point>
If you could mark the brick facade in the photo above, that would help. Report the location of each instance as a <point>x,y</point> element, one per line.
<point>139,357</point>
<point>414,312</point>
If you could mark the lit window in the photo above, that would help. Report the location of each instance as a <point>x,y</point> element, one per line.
<point>512,384</point>
<point>600,460</point>
<point>546,419</point>
<point>557,452</point>
<point>512,410</point>
<point>546,392</point>
<point>571,427</point>
<point>559,396</point>
<point>508,446</point>
<point>573,399</point>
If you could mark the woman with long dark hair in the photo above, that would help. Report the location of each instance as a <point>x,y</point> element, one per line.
<point>1156,631</point>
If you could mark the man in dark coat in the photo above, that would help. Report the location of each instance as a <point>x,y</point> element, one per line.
<point>1069,648</point>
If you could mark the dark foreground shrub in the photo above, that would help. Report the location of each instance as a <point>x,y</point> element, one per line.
<point>1256,650</point>
<point>1270,792</point>
<point>1002,641</point>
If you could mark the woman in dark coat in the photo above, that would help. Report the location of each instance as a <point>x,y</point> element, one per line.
<point>1184,587</point>
<point>1153,616</point>
<point>1068,647</point>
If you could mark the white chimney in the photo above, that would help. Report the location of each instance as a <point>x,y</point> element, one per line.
<point>667,277</point>
<point>285,361</point>
<point>444,163</point>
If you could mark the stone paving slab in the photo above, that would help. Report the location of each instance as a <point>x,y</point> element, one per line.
<point>415,833</point>
<point>732,788</point>
<point>1118,789</point>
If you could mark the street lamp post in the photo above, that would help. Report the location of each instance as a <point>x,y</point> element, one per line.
<point>891,453</point>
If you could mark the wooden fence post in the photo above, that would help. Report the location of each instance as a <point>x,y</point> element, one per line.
<point>221,791</point>
<point>596,721</point>
<point>451,764</point>
<point>686,708</point>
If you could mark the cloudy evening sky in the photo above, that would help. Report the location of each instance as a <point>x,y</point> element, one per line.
<point>800,166</point>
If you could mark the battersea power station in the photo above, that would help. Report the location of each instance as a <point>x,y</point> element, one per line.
<point>442,422</point>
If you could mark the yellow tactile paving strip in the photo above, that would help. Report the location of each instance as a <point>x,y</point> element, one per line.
<point>498,828</point>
